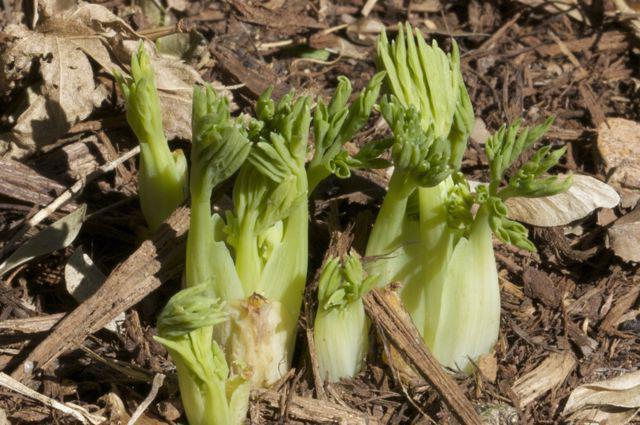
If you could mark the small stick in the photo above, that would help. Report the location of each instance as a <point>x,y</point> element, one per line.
<point>158,380</point>
<point>368,7</point>
<point>393,322</point>
<point>77,412</point>
<point>67,195</point>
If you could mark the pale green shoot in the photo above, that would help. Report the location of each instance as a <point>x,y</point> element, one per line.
<point>410,237</point>
<point>162,178</point>
<point>463,310</point>
<point>335,124</point>
<point>210,395</point>
<point>341,326</point>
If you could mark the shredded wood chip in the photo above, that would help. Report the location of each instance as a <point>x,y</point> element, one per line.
<point>549,374</point>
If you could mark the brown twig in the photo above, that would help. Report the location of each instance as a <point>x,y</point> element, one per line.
<point>393,322</point>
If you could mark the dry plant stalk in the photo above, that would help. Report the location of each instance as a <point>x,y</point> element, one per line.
<point>394,324</point>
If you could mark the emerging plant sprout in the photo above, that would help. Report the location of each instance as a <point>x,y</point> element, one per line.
<point>234,324</point>
<point>211,393</point>
<point>341,327</point>
<point>463,310</point>
<point>430,116</point>
<point>255,257</point>
<point>162,178</point>
<point>335,124</point>
<point>426,235</point>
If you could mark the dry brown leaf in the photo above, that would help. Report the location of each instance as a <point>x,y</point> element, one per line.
<point>339,45</point>
<point>585,195</point>
<point>65,94</point>
<point>570,7</point>
<point>623,237</point>
<point>547,375</point>
<point>52,238</point>
<point>488,366</point>
<point>62,48</point>
<point>624,240</point>
<point>479,132</point>
<point>619,146</point>
<point>614,401</point>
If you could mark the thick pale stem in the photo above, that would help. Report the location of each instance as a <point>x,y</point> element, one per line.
<point>248,261</point>
<point>468,299</point>
<point>161,185</point>
<point>341,337</point>
<point>386,232</point>
<point>435,247</point>
<point>199,242</point>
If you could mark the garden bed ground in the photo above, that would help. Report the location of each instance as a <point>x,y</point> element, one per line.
<point>569,312</point>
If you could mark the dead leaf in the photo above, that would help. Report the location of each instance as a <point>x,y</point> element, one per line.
<point>583,197</point>
<point>569,7</point>
<point>57,236</point>
<point>488,366</point>
<point>338,45</point>
<point>623,237</point>
<point>65,94</point>
<point>539,286</point>
<point>624,240</point>
<point>168,411</point>
<point>178,5</point>
<point>191,47</point>
<point>547,375</point>
<point>61,49</point>
<point>619,146</point>
<point>479,133</point>
<point>613,401</point>
<point>606,216</point>
<point>152,11</point>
